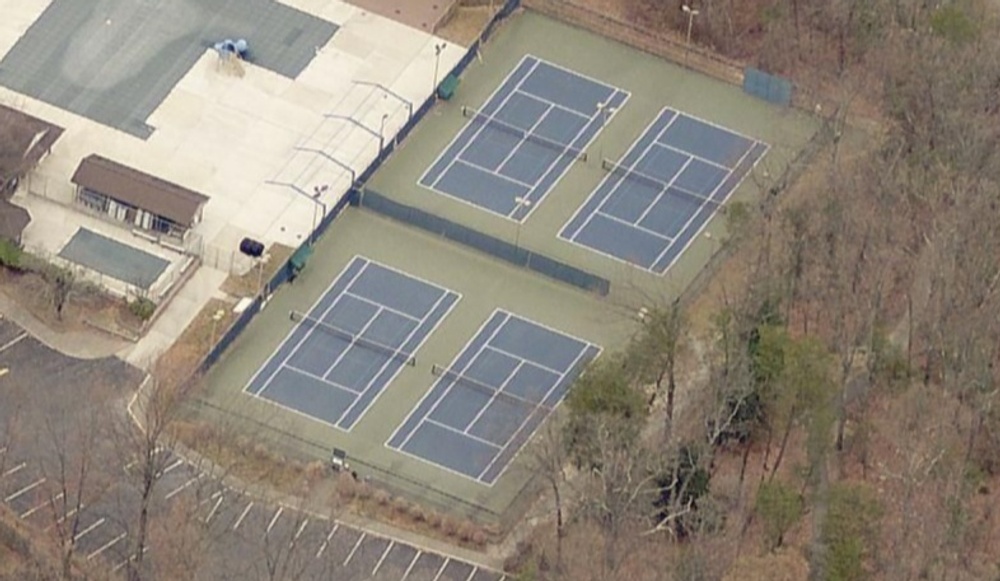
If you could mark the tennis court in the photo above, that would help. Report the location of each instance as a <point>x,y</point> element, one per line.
<point>351,344</point>
<point>488,402</point>
<point>655,200</point>
<point>517,146</point>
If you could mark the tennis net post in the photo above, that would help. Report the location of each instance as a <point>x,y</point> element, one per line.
<point>353,339</point>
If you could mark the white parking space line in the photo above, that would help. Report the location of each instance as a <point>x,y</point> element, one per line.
<point>44,504</point>
<point>13,342</point>
<point>410,567</point>
<point>355,549</point>
<point>180,488</point>
<point>239,521</point>
<point>322,548</point>
<point>298,533</point>
<point>106,546</point>
<point>69,514</point>
<point>13,470</point>
<point>80,534</point>
<point>25,490</point>
<point>441,570</point>
<point>211,513</point>
<point>274,519</point>
<point>172,466</point>
<point>472,574</point>
<point>382,558</point>
<point>119,566</point>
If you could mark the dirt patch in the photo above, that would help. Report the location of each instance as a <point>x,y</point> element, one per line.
<point>249,283</point>
<point>188,351</point>
<point>465,24</point>
<point>87,308</point>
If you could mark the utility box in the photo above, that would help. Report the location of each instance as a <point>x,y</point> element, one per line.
<point>338,460</point>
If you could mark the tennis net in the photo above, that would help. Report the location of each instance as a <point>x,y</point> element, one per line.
<point>456,377</point>
<point>636,175</point>
<point>353,339</point>
<point>524,134</point>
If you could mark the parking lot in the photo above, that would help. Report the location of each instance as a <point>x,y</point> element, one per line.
<point>223,533</point>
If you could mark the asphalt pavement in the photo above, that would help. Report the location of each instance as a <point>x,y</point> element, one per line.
<point>63,470</point>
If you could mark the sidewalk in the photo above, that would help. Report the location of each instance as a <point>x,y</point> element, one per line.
<point>78,344</point>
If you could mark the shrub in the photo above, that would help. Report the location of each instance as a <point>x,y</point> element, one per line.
<point>10,255</point>
<point>382,497</point>
<point>142,307</point>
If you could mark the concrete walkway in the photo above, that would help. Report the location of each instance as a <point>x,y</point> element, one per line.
<point>79,344</point>
<point>183,308</point>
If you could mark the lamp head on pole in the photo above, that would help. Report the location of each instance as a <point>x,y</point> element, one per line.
<point>688,10</point>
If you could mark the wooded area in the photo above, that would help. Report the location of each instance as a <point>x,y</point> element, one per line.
<point>827,409</point>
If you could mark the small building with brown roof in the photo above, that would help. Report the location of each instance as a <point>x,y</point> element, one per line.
<point>24,141</point>
<point>136,198</point>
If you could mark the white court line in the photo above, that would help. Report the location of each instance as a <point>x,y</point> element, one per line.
<point>35,509</point>
<point>541,405</point>
<point>643,229</point>
<point>494,396</point>
<point>274,519</point>
<point>496,108</point>
<point>384,307</point>
<point>354,550</point>
<point>441,570</point>
<point>523,140</point>
<point>410,566</point>
<point>13,470</point>
<point>429,420</point>
<point>13,342</point>
<point>25,490</point>
<point>523,360</point>
<point>664,191</point>
<point>409,337</point>
<point>106,546</point>
<point>453,383</point>
<point>715,210</point>
<point>351,344</point>
<point>322,548</point>
<point>494,173</point>
<point>215,508</point>
<point>382,558</point>
<point>298,533</point>
<point>607,186</point>
<point>180,488</point>
<point>309,332</point>
<point>96,524</point>
<point>239,521</point>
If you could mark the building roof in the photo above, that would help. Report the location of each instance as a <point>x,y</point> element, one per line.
<point>24,141</point>
<point>13,220</point>
<point>142,190</point>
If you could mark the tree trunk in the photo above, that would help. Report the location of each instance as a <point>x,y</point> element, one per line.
<point>784,443</point>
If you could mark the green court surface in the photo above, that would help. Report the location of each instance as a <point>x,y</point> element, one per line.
<point>653,84</point>
<point>484,284</point>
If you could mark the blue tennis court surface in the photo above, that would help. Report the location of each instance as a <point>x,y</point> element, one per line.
<point>656,199</point>
<point>521,142</point>
<point>335,377</point>
<point>486,405</point>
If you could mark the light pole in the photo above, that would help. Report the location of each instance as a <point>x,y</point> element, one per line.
<point>691,14</point>
<point>438,49</point>
<point>317,192</point>
<point>520,203</point>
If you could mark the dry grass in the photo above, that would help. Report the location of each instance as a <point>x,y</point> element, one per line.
<point>85,304</point>
<point>187,352</point>
<point>465,24</point>
<point>246,285</point>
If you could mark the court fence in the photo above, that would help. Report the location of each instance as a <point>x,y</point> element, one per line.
<point>506,251</point>
<point>771,88</point>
